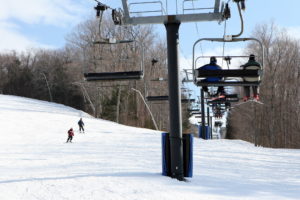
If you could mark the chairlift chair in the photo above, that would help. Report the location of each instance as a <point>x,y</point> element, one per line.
<point>166,98</point>
<point>120,47</point>
<point>117,75</point>
<point>193,110</point>
<point>233,77</point>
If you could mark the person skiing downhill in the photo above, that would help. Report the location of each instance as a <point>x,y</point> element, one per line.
<point>81,125</point>
<point>70,135</point>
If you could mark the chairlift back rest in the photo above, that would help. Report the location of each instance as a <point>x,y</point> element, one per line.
<point>166,98</point>
<point>193,110</point>
<point>106,76</point>
<point>251,65</point>
<point>200,73</point>
<point>157,98</point>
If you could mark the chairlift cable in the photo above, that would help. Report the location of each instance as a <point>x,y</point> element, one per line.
<point>223,51</point>
<point>197,28</point>
<point>99,25</point>
<point>184,56</point>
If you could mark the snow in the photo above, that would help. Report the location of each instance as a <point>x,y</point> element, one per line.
<point>112,161</point>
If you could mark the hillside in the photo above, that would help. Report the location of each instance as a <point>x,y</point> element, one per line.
<point>112,161</point>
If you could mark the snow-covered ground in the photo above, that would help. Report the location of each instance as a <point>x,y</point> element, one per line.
<point>112,161</point>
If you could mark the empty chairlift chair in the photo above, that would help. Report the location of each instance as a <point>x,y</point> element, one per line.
<point>119,60</point>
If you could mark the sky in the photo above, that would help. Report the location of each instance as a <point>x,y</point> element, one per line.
<point>46,23</point>
<point>118,162</point>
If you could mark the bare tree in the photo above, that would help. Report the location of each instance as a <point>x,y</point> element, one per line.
<point>276,122</point>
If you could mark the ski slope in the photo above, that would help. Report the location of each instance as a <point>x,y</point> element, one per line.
<point>112,161</point>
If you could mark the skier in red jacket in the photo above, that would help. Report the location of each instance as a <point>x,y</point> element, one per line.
<point>70,135</point>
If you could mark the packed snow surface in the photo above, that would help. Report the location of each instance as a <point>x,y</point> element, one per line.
<point>113,161</point>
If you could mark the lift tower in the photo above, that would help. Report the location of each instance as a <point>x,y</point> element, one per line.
<point>128,16</point>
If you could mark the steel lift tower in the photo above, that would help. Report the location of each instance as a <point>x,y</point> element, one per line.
<point>128,16</point>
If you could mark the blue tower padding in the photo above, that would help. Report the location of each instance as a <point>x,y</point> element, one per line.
<point>187,140</point>
<point>188,154</point>
<point>166,158</point>
<point>207,132</point>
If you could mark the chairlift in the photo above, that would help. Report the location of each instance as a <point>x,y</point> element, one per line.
<point>105,63</point>
<point>112,57</point>
<point>233,77</point>
<point>193,110</point>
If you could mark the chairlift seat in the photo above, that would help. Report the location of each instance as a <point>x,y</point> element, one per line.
<point>227,83</point>
<point>157,98</point>
<point>193,110</point>
<point>107,76</point>
<point>166,98</point>
<point>200,73</point>
<point>217,101</point>
<point>187,100</point>
<point>196,113</point>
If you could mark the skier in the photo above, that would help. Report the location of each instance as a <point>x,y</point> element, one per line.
<point>251,64</point>
<point>81,125</point>
<point>212,66</point>
<point>70,135</point>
